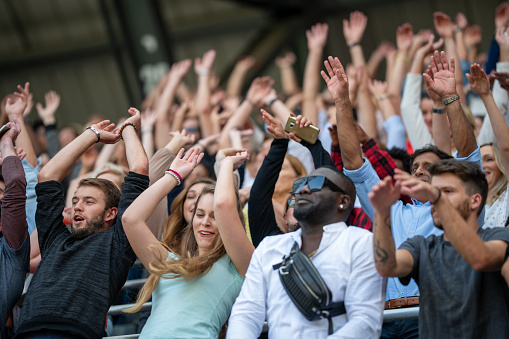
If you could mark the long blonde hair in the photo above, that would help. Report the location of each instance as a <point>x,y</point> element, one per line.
<point>182,242</point>
<point>501,184</point>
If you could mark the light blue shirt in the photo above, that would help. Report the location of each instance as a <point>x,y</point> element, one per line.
<point>31,174</point>
<point>407,220</point>
<point>194,309</point>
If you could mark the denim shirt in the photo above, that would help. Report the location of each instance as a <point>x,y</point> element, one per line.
<point>31,174</point>
<point>407,220</point>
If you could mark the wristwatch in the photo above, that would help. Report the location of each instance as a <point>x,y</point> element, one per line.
<point>448,100</point>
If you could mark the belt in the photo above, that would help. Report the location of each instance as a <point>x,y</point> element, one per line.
<point>401,302</point>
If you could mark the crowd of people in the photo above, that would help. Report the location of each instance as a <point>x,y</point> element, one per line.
<point>401,201</point>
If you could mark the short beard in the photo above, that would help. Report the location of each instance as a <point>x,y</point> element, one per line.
<point>463,210</point>
<point>93,225</point>
<point>312,212</point>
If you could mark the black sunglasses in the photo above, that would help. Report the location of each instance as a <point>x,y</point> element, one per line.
<point>315,183</point>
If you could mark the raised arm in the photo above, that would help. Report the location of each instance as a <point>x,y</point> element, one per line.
<point>203,67</point>
<point>230,227</point>
<point>148,118</point>
<point>238,75</point>
<point>146,246</point>
<point>440,124</point>
<point>47,115</point>
<point>480,85</point>
<point>353,30</point>
<point>14,110</point>
<point>136,157</point>
<point>443,83</point>
<point>259,89</point>
<point>317,38</point>
<point>404,36</point>
<point>389,262</point>
<point>62,162</point>
<point>14,224</point>
<point>288,77</point>
<point>337,83</point>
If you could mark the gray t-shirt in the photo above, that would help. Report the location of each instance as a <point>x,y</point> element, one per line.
<point>456,300</point>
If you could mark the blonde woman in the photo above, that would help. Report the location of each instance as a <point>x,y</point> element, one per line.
<point>195,280</point>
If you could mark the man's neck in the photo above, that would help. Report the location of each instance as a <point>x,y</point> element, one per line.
<point>472,224</point>
<point>312,235</point>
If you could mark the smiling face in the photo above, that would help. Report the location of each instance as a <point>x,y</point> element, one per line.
<point>489,166</point>
<point>421,164</point>
<point>89,213</point>
<point>190,201</point>
<point>204,224</point>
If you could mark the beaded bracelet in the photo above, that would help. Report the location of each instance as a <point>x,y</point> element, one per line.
<point>174,174</point>
<point>124,126</point>
<point>93,129</point>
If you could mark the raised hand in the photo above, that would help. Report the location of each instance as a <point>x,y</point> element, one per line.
<point>317,36</point>
<point>502,15</point>
<point>432,94</point>
<point>203,66</point>
<point>479,82</point>
<point>259,89</point>
<point>502,37</point>
<point>178,71</point>
<point>274,126</point>
<point>473,35</point>
<point>443,24</point>
<point>13,132</point>
<point>238,159</point>
<point>185,165</point>
<point>246,63</point>
<point>404,36</point>
<point>286,60</point>
<point>182,137</point>
<point>430,46</point>
<point>384,194</point>
<point>377,87</point>
<point>30,105</point>
<point>47,113</point>
<point>15,109</point>
<point>353,29</point>
<point>461,20</point>
<point>336,80</point>
<point>135,118</point>
<point>415,188</point>
<point>383,48</point>
<point>441,80</point>
<point>107,132</point>
<point>333,130</point>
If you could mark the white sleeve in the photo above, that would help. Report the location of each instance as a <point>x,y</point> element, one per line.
<point>501,98</point>
<point>248,312</point>
<point>364,295</point>
<point>411,113</point>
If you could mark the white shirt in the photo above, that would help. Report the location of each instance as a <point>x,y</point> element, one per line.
<point>346,262</point>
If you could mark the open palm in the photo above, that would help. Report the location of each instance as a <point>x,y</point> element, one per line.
<point>336,79</point>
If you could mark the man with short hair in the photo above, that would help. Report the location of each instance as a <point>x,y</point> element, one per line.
<point>411,219</point>
<point>341,255</point>
<point>463,293</point>
<point>81,272</point>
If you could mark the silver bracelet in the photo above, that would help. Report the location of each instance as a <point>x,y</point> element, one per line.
<point>96,133</point>
<point>174,175</point>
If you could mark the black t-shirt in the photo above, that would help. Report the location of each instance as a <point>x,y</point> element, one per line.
<point>456,300</point>
<point>77,280</point>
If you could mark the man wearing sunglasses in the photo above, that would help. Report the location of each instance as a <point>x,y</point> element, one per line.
<point>342,255</point>
<point>411,219</point>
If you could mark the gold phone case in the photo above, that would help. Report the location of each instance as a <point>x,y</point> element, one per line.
<point>309,134</point>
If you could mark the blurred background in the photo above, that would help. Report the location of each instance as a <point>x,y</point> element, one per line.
<point>103,56</point>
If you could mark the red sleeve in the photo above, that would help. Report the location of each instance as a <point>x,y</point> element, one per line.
<point>335,155</point>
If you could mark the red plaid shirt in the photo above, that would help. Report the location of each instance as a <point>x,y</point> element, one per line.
<point>384,166</point>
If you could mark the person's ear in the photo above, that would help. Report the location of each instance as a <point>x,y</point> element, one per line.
<point>111,214</point>
<point>343,202</point>
<point>475,201</point>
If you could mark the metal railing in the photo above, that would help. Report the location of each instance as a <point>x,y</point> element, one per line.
<point>389,315</point>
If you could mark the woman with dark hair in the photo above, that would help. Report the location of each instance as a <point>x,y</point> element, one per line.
<point>198,269</point>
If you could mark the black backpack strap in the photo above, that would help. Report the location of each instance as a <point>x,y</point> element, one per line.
<point>336,308</point>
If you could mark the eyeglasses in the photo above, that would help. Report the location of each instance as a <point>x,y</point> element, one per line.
<point>315,183</point>
<point>291,203</point>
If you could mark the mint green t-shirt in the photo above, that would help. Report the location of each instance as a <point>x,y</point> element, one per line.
<point>196,308</point>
